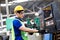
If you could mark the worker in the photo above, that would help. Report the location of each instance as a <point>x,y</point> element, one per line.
<point>18,25</point>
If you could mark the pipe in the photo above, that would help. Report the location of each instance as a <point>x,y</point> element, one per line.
<point>7,9</point>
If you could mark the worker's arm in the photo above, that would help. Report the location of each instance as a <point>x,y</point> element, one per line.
<point>19,26</point>
<point>28,29</point>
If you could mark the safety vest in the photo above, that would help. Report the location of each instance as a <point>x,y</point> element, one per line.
<point>10,24</point>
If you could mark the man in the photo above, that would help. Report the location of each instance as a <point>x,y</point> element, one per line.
<point>18,25</point>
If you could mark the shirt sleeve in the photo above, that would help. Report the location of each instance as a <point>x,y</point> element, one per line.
<point>17,24</point>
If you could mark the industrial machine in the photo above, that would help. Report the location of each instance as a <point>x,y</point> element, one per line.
<point>29,23</point>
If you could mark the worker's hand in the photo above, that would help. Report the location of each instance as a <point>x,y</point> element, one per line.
<point>41,31</point>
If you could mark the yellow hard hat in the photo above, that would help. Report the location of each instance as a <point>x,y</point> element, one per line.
<point>17,8</point>
<point>47,8</point>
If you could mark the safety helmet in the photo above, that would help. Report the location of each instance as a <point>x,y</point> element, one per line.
<point>47,8</point>
<point>18,8</point>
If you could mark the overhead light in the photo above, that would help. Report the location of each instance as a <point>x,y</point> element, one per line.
<point>10,2</point>
<point>18,1</point>
<point>3,5</point>
<point>21,0</point>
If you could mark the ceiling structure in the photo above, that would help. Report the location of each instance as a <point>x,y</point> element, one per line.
<point>29,5</point>
<point>3,1</point>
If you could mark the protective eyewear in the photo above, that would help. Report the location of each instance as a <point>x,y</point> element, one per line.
<point>20,12</point>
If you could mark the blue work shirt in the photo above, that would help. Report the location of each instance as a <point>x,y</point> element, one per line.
<point>16,25</point>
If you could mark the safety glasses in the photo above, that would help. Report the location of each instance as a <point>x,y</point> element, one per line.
<point>20,11</point>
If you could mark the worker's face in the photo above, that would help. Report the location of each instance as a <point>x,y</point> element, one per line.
<point>20,14</point>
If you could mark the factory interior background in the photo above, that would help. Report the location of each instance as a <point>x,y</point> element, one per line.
<point>38,14</point>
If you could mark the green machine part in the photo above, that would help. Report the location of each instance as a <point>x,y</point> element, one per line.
<point>29,23</point>
<point>37,22</point>
<point>9,27</point>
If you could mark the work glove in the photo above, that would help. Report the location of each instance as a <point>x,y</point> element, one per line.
<point>44,31</point>
<point>41,31</point>
<point>26,25</point>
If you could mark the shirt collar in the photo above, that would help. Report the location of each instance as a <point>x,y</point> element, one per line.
<point>19,18</point>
